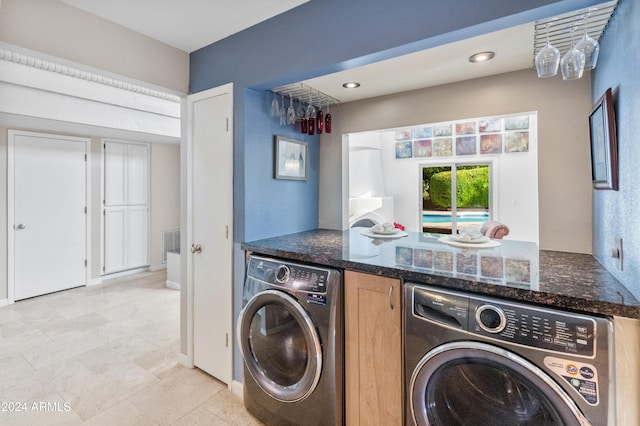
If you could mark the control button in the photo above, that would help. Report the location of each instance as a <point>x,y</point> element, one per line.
<point>491,318</point>
<point>282,275</point>
<point>581,341</point>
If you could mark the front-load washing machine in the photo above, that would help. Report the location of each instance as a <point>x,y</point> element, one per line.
<point>474,360</point>
<point>291,339</point>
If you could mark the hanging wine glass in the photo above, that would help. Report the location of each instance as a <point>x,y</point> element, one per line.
<point>275,109</point>
<point>311,116</point>
<point>327,121</point>
<point>283,113</point>
<point>588,46</point>
<point>547,59</point>
<point>291,112</point>
<point>572,63</point>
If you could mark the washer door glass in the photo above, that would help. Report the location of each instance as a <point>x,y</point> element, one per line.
<point>280,346</point>
<point>471,383</point>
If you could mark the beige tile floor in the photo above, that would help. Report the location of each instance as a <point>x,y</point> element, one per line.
<point>105,355</point>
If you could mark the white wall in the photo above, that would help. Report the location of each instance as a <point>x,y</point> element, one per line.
<point>55,28</point>
<point>515,201</point>
<point>564,175</point>
<point>165,195</point>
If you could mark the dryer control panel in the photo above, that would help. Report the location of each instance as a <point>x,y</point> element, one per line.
<point>537,327</point>
<point>289,275</point>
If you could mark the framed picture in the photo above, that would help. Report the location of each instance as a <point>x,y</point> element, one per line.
<point>291,159</point>
<point>604,145</point>
<point>403,149</point>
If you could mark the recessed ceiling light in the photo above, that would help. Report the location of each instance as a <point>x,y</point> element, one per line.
<point>351,85</point>
<point>481,57</point>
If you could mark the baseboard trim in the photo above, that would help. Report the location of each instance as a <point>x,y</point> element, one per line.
<point>183,359</point>
<point>173,285</point>
<point>237,389</point>
<point>126,273</point>
<point>154,268</point>
<point>4,302</point>
<point>94,281</point>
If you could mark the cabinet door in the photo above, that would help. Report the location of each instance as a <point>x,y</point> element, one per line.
<point>373,350</point>
<point>137,174</point>
<point>115,219</point>
<point>137,241</point>
<point>115,166</point>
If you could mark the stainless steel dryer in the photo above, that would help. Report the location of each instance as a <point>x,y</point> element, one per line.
<point>291,339</point>
<point>472,360</point>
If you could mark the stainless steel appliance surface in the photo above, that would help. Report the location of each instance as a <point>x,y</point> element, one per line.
<point>290,333</point>
<point>475,360</point>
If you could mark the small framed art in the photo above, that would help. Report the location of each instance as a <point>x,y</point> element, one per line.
<point>604,144</point>
<point>291,159</point>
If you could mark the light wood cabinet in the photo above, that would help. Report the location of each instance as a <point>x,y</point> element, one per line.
<point>373,350</point>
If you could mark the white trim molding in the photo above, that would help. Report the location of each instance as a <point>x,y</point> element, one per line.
<point>71,71</point>
<point>48,89</point>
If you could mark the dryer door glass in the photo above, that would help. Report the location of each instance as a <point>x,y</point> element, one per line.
<point>280,346</point>
<point>477,386</point>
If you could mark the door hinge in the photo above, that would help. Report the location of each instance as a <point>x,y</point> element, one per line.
<point>85,210</point>
<point>85,263</point>
<point>227,123</point>
<point>227,231</point>
<point>226,340</point>
<point>104,268</point>
<point>85,157</point>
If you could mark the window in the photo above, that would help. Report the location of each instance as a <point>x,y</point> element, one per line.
<point>454,196</point>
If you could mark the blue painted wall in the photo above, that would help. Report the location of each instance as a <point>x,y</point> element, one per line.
<point>275,206</point>
<point>616,213</point>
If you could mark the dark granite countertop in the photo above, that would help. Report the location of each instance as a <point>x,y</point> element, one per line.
<point>514,270</point>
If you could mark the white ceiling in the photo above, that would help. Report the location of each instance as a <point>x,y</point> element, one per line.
<point>192,24</point>
<point>513,49</point>
<point>186,24</point>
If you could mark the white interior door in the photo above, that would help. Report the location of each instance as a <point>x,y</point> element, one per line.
<point>212,216</point>
<point>47,215</point>
<point>126,206</point>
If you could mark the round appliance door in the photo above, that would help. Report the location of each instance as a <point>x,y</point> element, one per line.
<point>470,383</point>
<point>280,346</point>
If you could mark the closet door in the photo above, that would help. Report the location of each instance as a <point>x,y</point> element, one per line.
<point>126,206</point>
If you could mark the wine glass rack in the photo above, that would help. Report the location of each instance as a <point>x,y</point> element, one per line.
<point>303,92</point>
<point>561,25</point>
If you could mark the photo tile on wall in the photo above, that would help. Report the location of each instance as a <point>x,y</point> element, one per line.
<point>516,123</point>
<point>422,132</point>
<point>466,128</point>
<point>402,135</point>
<point>490,126</point>
<point>491,144</point>
<point>403,149</point>
<point>516,142</point>
<point>466,145</point>
<point>443,130</point>
<point>422,148</point>
<point>442,147</point>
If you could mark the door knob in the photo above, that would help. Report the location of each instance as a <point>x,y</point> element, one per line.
<point>196,248</point>
<point>19,226</point>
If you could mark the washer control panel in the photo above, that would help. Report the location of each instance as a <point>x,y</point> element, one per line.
<point>516,323</point>
<point>538,327</point>
<point>287,275</point>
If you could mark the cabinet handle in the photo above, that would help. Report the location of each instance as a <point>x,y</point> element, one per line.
<point>391,297</point>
